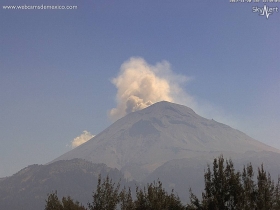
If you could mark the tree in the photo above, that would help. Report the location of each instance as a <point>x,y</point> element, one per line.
<point>222,187</point>
<point>69,204</point>
<point>53,203</point>
<point>154,197</point>
<point>226,189</point>
<point>249,188</point>
<point>106,196</point>
<point>126,201</point>
<point>276,202</point>
<point>265,190</point>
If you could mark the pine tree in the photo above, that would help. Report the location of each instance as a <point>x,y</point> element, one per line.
<point>265,190</point>
<point>141,200</point>
<point>53,203</point>
<point>69,204</point>
<point>126,201</point>
<point>154,197</point>
<point>276,202</point>
<point>222,187</point>
<point>106,196</point>
<point>249,188</point>
<point>233,187</point>
<point>195,203</point>
<point>226,189</point>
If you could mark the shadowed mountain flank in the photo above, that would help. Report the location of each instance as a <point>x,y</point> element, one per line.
<point>28,189</point>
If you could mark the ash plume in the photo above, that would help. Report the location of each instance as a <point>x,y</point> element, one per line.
<point>140,85</point>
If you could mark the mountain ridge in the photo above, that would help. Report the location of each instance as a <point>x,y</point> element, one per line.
<point>161,132</point>
<point>165,141</point>
<point>28,188</point>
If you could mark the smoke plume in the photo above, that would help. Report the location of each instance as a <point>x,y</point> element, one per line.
<point>84,137</point>
<point>140,84</point>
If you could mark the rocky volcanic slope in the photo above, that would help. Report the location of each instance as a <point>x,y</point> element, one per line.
<point>142,141</point>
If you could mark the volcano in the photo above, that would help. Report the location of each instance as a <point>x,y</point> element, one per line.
<point>142,141</point>
<point>165,141</point>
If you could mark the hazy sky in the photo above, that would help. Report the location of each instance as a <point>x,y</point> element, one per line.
<point>64,73</point>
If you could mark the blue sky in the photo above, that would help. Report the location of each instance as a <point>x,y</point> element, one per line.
<point>57,66</point>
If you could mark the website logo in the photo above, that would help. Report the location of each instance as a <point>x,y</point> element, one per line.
<point>265,10</point>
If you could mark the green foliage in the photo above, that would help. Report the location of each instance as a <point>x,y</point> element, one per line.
<point>226,189</point>
<point>154,197</point>
<point>106,196</point>
<point>276,204</point>
<point>265,190</point>
<point>222,188</point>
<point>126,201</point>
<point>249,193</point>
<point>53,203</point>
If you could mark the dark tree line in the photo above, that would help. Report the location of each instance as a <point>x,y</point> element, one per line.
<point>108,196</point>
<point>67,203</point>
<point>225,189</point>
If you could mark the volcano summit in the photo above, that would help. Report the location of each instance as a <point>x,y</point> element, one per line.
<point>142,141</point>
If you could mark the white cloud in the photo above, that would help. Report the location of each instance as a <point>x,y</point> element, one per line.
<point>84,137</point>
